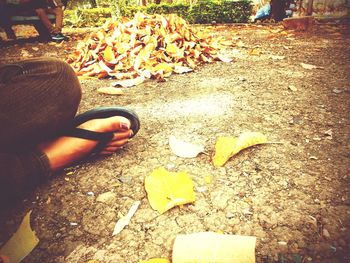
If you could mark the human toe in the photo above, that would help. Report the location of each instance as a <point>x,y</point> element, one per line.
<point>122,135</point>
<point>117,143</point>
<point>120,123</point>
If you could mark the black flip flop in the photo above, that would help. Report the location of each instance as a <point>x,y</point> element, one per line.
<point>103,138</point>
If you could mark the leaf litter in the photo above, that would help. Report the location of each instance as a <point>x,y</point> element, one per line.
<point>145,47</point>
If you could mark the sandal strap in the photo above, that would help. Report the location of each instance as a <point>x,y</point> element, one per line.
<point>103,138</point>
<point>89,135</point>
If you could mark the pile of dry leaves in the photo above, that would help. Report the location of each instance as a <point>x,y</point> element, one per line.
<point>148,46</point>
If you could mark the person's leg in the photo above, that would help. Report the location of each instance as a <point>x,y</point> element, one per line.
<point>24,169</point>
<point>42,14</point>
<point>37,97</point>
<point>64,150</point>
<point>58,12</point>
<point>5,12</point>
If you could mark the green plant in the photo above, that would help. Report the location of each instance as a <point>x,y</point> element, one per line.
<point>87,17</point>
<point>71,18</point>
<point>204,12</point>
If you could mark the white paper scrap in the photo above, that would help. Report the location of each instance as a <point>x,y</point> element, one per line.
<point>125,220</point>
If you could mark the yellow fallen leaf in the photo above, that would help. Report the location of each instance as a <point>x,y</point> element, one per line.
<point>165,67</point>
<point>240,44</point>
<point>115,184</point>
<point>21,243</point>
<point>166,190</point>
<point>172,49</point>
<point>255,52</point>
<point>156,260</point>
<point>226,147</point>
<point>110,91</point>
<point>108,54</point>
<point>25,53</point>
<point>223,150</point>
<point>191,62</point>
<point>85,77</point>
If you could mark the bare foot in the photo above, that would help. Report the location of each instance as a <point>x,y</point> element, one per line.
<point>64,151</point>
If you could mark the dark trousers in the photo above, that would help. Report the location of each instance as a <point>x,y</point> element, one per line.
<point>7,10</point>
<point>38,98</point>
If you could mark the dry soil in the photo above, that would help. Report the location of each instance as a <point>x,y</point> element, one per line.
<point>294,196</point>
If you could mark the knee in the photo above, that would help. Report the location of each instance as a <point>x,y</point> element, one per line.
<point>63,78</point>
<point>66,85</point>
<point>58,11</point>
<point>40,11</point>
<point>66,75</point>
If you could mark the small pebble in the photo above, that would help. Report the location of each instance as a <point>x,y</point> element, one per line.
<point>201,189</point>
<point>170,166</point>
<point>326,233</point>
<point>292,88</point>
<point>337,91</point>
<point>125,179</point>
<point>229,215</point>
<point>334,249</point>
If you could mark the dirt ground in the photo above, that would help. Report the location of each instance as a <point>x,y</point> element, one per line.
<point>294,197</point>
